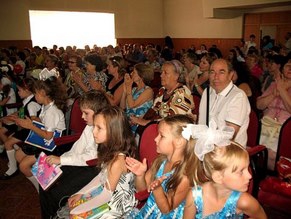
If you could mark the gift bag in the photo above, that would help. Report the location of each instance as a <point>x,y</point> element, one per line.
<point>269,137</point>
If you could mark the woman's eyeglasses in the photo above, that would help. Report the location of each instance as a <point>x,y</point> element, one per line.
<point>71,62</point>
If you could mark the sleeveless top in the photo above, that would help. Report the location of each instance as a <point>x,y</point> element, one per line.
<point>114,88</point>
<point>228,211</point>
<point>150,210</point>
<point>122,200</point>
<point>138,111</point>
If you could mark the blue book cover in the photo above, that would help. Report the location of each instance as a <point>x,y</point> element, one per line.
<point>37,141</point>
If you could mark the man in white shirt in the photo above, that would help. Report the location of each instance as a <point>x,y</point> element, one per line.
<point>228,105</point>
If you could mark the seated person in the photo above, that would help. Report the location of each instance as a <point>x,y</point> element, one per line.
<point>173,97</point>
<point>115,142</point>
<point>30,108</point>
<point>7,93</point>
<point>52,95</point>
<point>201,81</point>
<point>114,87</point>
<point>276,105</point>
<point>224,102</point>
<point>76,172</point>
<point>137,100</point>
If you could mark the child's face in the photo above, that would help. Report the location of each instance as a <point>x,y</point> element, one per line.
<point>23,93</point>
<point>100,131</point>
<point>39,96</point>
<point>164,140</point>
<point>87,115</point>
<point>239,179</point>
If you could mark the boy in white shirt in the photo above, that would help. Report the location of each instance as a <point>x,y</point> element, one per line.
<point>76,172</point>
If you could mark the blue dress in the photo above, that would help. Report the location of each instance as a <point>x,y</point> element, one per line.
<point>228,211</point>
<point>150,210</point>
<point>140,110</point>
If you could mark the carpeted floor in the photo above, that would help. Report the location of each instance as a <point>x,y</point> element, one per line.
<point>19,199</point>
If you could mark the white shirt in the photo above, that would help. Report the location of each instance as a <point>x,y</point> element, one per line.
<point>83,149</point>
<point>12,99</point>
<point>231,105</point>
<point>33,107</point>
<point>52,117</point>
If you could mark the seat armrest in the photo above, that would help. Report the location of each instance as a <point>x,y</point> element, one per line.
<point>142,195</point>
<point>13,105</point>
<point>67,139</point>
<point>92,162</point>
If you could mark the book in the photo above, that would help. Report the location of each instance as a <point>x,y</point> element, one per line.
<point>44,173</point>
<point>38,141</point>
<point>93,213</point>
<point>95,198</point>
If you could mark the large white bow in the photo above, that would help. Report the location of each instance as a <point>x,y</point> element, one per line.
<point>206,137</point>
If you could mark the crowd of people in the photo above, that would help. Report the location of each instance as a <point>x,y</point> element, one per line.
<point>202,166</point>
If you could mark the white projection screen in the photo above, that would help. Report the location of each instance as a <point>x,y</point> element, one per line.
<point>71,28</point>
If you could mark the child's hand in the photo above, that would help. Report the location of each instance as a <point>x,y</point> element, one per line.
<point>156,183</point>
<point>24,123</point>
<point>73,200</point>
<point>53,160</point>
<point>135,166</point>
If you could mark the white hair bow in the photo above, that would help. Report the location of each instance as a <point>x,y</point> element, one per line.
<point>207,137</point>
<point>45,74</point>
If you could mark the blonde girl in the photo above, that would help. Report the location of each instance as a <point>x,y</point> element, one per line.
<point>171,175</point>
<point>224,165</point>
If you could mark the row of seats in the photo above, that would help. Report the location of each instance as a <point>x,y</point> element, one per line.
<point>261,186</point>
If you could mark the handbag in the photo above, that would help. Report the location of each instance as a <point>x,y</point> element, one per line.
<point>270,132</point>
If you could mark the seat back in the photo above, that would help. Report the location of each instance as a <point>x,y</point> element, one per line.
<point>196,100</point>
<point>147,145</point>
<point>253,130</point>
<point>284,143</point>
<point>77,124</point>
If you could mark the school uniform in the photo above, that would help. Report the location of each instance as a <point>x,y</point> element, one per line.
<point>52,118</point>
<point>31,108</point>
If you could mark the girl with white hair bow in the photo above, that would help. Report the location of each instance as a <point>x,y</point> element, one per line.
<point>223,175</point>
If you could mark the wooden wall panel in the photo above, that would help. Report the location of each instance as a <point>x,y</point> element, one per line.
<point>21,44</point>
<point>252,19</point>
<point>281,19</point>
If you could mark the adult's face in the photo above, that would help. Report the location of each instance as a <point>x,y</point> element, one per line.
<point>90,68</point>
<point>111,68</point>
<point>204,64</point>
<point>219,76</point>
<point>168,76</point>
<point>72,63</point>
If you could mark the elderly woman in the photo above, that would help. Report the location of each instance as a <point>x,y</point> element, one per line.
<point>276,103</point>
<point>173,97</point>
<point>114,88</point>
<point>94,78</point>
<point>138,100</point>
